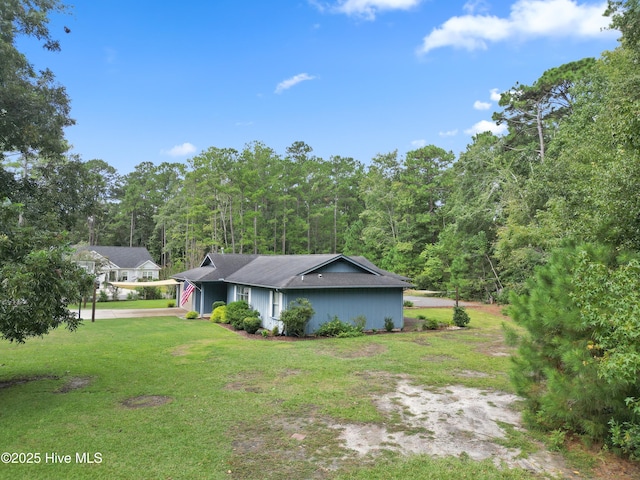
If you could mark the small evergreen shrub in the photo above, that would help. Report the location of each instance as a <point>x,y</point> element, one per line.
<point>132,296</point>
<point>217,304</point>
<point>252,324</point>
<point>265,333</point>
<point>388,324</point>
<point>219,315</point>
<point>237,312</point>
<point>171,303</point>
<point>192,314</point>
<point>338,328</point>
<point>460,317</point>
<point>431,324</point>
<point>407,303</point>
<point>296,317</point>
<point>275,331</point>
<point>102,296</point>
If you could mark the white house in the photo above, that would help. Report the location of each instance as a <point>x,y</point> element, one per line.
<point>118,264</point>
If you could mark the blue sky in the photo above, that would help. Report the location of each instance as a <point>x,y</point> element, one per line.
<point>162,81</point>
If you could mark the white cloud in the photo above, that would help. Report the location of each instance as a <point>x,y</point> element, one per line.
<point>368,8</point>
<point>486,126</point>
<point>473,6</point>
<point>290,82</point>
<point>449,133</point>
<point>494,94</point>
<point>478,105</point>
<point>418,143</point>
<point>527,19</point>
<point>180,150</point>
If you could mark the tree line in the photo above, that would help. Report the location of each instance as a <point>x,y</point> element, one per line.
<point>546,217</point>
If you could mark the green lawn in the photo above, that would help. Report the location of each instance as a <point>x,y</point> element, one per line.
<point>234,402</point>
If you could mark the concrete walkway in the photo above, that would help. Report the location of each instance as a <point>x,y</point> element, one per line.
<point>133,313</point>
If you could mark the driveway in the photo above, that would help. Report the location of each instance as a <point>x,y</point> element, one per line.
<point>419,301</point>
<point>133,313</point>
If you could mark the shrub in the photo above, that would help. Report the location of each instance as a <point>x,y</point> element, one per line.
<point>460,317</point>
<point>275,331</point>
<point>251,324</point>
<point>237,312</point>
<point>217,304</point>
<point>388,324</point>
<point>219,315</point>
<point>265,333</point>
<point>338,328</point>
<point>171,303</point>
<point>296,317</point>
<point>102,296</point>
<point>407,303</point>
<point>190,315</point>
<point>431,324</point>
<point>149,293</point>
<point>132,296</point>
<point>421,317</point>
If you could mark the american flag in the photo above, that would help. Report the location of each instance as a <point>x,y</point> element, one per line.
<point>186,293</point>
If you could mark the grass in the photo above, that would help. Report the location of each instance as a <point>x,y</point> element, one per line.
<point>234,403</point>
<point>126,304</point>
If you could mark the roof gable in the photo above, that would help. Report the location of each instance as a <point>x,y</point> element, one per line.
<point>122,257</point>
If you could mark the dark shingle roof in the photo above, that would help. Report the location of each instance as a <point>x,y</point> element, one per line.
<point>292,272</point>
<point>123,257</point>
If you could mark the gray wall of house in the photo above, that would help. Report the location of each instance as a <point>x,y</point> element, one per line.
<point>337,267</point>
<point>213,292</point>
<point>348,303</point>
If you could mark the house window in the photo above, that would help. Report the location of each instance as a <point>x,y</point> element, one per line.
<point>242,293</point>
<point>276,302</point>
<point>124,276</point>
<point>147,275</point>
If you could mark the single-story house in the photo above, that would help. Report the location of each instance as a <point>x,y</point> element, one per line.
<point>335,284</point>
<point>118,264</point>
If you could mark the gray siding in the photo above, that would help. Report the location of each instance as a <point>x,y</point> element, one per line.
<point>348,303</point>
<point>338,267</point>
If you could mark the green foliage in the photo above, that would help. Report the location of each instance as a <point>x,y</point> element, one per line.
<point>338,328</point>
<point>103,296</point>
<point>388,324</point>
<point>237,311</point>
<point>296,317</point>
<point>252,324</point>
<point>460,317</point>
<point>407,303</point>
<point>579,362</point>
<point>171,303</point>
<point>217,304</point>
<point>431,324</point>
<point>191,315</point>
<point>149,293</point>
<point>219,315</point>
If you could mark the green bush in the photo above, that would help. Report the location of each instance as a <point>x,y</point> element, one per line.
<point>103,296</point>
<point>407,303</point>
<point>217,304</point>
<point>190,315</point>
<point>296,317</point>
<point>460,317</point>
<point>171,303</point>
<point>431,324</point>
<point>252,324</point>
<point>338,328</point>
<point>237,312</point>
<point>219,315</point>
<point>388,324</point>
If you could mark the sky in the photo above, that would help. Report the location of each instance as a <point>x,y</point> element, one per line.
<point>163,81</point>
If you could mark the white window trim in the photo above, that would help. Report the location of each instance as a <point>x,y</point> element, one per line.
<point>235,296</point>
<point>280,299</point>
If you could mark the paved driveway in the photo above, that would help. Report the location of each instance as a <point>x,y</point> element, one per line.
<point>434,301</point>
<point>132,313</point>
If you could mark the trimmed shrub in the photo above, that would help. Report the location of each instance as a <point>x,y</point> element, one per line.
<point>219,315</point>
<point>431,324</point>
<point>217,304</point>
<point>338,328</point>
<point>296,317</point>
<point>192,314</point>
<point>460,317</point>
<point>252,324</point>
<point>237,312</point>
<point>407,303</point>
<point>171,303</point>
<point>388,324</point>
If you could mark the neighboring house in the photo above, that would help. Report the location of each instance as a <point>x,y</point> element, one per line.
<point>118,264</point>
<point>336,285</point>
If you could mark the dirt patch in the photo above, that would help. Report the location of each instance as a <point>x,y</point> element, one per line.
<point>454,421</point>
<point>22,380</point>
<point>182,350</point>
<point>146,401</point>
<point>74,383</point>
